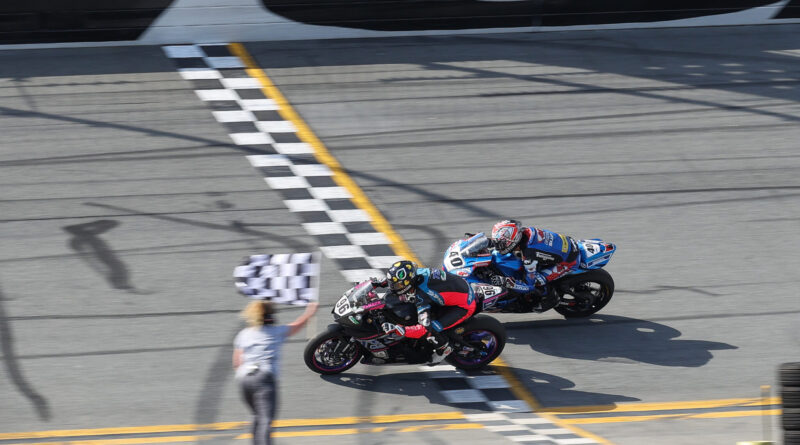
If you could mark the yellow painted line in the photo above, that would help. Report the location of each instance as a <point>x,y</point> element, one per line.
<point>131,441</point>
<point>123,430</point>
<point>522,393</point>
<point>451,415</point>
<point>716,415</point>
<point>662,406</point>
<point>322,154</point>
<point>280,423</point>
<point>445,427</point>
<point>380,429</point>
<point>360,199</point>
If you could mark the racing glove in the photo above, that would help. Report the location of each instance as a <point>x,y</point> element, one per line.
<point>501,281</point>
<point>537,278</point>
<point>378,283</point>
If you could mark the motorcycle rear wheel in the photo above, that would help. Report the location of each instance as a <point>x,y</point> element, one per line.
<point>486,335</point>
<point>590,290</point>
<point>320,355</point>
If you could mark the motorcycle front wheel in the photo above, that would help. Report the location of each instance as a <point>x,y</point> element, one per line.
<point>487,338</point>
<point>331,352</point>
<point>585,293</point>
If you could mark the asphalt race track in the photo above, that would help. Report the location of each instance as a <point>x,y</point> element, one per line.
<point>124,208</point>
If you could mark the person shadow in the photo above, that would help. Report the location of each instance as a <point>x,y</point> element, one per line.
<point>420,384</point>
<point>98,254</point>
<point>613,338</point>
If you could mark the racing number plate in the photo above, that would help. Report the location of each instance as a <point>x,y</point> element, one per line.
<point>342,306</point>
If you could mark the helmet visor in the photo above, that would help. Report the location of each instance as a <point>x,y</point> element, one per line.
<point>401,287</point>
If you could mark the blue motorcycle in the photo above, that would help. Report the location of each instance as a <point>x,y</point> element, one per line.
<point>580,293</point>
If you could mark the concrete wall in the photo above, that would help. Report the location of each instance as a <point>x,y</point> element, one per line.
<point>66,22</point>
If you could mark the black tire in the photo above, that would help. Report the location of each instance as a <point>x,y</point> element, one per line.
<point>791,419</point>
<point>479,328</point>
<point>791,438</point>
<point>315,358</point>
<point>587,300</point>
<point>789,374</point>
<point>790,397</point>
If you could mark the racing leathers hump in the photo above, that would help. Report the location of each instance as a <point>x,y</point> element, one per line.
<point>547,255</point>
<point>439,288</point>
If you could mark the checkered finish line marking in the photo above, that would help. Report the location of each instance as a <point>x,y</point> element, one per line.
<point>475,392</point>
<point>293,162</point>
<point>348,227</point>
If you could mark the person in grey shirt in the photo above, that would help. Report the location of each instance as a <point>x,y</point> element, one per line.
<point>256,359</point>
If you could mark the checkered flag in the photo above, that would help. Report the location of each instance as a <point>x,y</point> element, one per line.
<point>280,278</point>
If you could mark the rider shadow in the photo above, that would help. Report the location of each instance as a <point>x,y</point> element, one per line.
<point>613,338</point>
<point>415,384</point>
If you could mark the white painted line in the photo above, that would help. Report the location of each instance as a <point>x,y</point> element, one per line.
<point>207,95</point>
<point>531,421</point>
<point>241,83</point>
<point>183,51</point>
<point>199,73</point>
<point>383,262</point>
<point>306,205</point>
<point>293,148</point>
<point>311,169</point>
<point>548,431</point>
<point>287,182</point>
<point>250,138</point>
<point>441,370</point>
<point>343,251</point>
<point>368,239</point>
<point>487,381</point>
<point>485,417</point>
<point>528,438</point>
<point>352,215</point>
<point>463,396</point>
<point>224,62</point>
<point>357,275</point>
<point>575,441</point>
<point>268,160</point>
<point>498,428</point>
<point>330,192</point>
<point>510,406</point>
<point>276,126</point>
<point>258,104</point>
<point>233,116</point>
<point>324,228</point>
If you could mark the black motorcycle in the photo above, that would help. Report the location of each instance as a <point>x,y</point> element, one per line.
<point>357,335</point>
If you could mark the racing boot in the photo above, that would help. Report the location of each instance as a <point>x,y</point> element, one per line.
<point>440,354</point>
<point>442,348</point>
<point>547,299</point>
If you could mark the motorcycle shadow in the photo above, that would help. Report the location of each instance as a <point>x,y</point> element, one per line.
<point>546,387</point>
<point>614,338</point>
<point>415,384</point>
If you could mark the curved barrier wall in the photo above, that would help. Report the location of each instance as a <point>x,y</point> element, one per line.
<point>198,21</point>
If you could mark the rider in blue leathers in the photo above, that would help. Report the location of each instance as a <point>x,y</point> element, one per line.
<point>545,255</point>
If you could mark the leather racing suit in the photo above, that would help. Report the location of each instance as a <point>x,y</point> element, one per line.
<point>546,255</point>
<point>451,292</point>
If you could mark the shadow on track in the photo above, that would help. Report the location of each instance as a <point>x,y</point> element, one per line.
<point>98,254</point>
<point>614,338</point>
<point>419,384</point>
<point>552,387</point>
<point>15,374</point>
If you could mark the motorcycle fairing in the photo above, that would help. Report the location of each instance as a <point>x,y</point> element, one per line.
<point>595,253</point>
